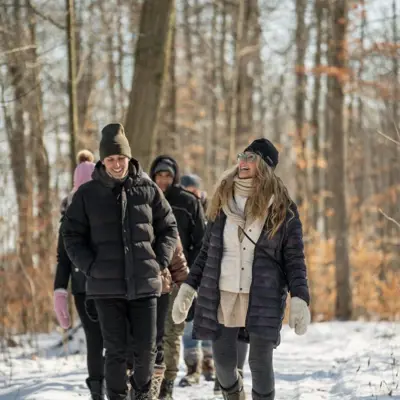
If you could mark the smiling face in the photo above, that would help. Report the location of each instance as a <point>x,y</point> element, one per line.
<point>116,166</point>
<point>247,165</point>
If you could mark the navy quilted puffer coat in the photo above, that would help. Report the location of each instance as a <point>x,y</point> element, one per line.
<point>278,268</point>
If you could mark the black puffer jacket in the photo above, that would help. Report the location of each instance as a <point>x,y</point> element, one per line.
<point>120,234</point>
<point>282,268</point>
<point>66,271</point>
<point>188,212</point>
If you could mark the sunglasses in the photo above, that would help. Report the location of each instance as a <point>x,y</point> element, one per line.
<point>247,157</point>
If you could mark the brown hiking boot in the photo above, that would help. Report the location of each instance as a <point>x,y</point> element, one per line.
<point>208,369</point>
<point>192,377</point>
<point>156,380</point>
<point>167,389</point>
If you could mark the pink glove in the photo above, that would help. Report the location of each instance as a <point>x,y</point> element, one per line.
<point>61,307</point>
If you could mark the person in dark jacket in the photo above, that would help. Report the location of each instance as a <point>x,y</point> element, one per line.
<point>121,233</point>
<point>173,276</point>
<point>66,272</point>
<point>190,219</point>
<point>252,256</point>
<point>192,183</point>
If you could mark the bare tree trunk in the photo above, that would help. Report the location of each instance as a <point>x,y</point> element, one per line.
<point>301,87</point>
<point>109,27</point>
<point>328,126</point>
<point>41,160</point>
<point>121,59</point>
<point>73,110</point>
<point>338,171</point>
<point>250,54</point>
<point>395,129</point>
<point>15,129</point>
<point>149,74</point>
<point>363,136</point>
<point>318,10</point>
<point>86,73</point>
<point>168,139</point>
<point>212,151</point>
<point>235,91</point>
<point>222,148</point>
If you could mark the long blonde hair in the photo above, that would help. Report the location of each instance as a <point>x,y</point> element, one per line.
<point>265,185</point>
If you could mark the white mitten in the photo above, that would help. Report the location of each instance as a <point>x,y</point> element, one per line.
<point>299,316</point>
<point>182,303</point>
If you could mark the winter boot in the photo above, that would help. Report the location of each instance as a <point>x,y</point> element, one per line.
<point>236,392</point>
<point>269,396</point>
<point>167,389</point>
<point>217,387</point>
<point>208,369</point>
<point>96,389</point>
<point>156,380</point>
<point>192,377</point>
<point>143,395</point>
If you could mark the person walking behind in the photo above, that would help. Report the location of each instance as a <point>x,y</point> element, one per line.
<point>252,256</point>
<point>121,233</point>
<point>173,276</point>
<point>190,219</point>
<point>66,272</point>
<point>192,183</point>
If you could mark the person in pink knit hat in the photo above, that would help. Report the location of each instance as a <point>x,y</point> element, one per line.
<point>66,272</point>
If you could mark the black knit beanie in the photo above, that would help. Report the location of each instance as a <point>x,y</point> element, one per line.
<point>266,150</point>
<point>165,165</point>
<point>114,142</point>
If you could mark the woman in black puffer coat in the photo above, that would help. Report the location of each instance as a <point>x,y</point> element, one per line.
<point>252,256</point>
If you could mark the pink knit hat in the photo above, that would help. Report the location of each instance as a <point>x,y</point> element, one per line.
<point>83,173</point>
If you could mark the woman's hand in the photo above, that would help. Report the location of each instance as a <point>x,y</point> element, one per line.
<point>61,308</point>
<point>182,303</point>
<point>299,315</point>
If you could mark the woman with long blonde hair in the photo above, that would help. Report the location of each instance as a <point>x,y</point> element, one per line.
<point>252,256</point>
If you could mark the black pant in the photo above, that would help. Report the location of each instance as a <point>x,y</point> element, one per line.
<point>115,316</point>
<point>162,312</point>
<point>94,341</point>
<point>260,360</point>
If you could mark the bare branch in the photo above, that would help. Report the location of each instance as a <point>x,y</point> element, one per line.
<point>389,138</point>
<point>389,218</point>
<point>23,48</point>
<point>46,17</point>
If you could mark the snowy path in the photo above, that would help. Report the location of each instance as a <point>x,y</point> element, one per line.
<point>333,361</point>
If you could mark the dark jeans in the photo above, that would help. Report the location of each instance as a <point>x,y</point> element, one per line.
<point>115,315</point>
<point>162,312</point>
<point>94,341</point>
<point>225,352</point>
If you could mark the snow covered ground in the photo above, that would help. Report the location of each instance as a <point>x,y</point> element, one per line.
<point>353,360</point>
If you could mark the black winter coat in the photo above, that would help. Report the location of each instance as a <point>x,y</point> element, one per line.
<point>120,234</point>
<point>188,212</point>
<point>66,270</point>
<point>281,269</point>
